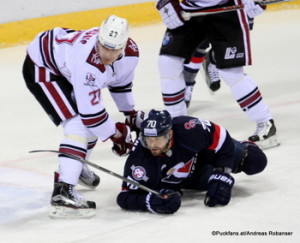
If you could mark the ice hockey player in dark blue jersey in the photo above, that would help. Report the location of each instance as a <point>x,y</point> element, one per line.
<point>184,153</point>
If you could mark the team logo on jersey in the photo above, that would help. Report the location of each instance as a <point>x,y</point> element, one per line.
<point>179,172</point>
<point>167,39</point>
<point>90,80</point>
<point>139,173</point>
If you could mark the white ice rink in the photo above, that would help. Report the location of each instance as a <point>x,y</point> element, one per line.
<point>266,202</point>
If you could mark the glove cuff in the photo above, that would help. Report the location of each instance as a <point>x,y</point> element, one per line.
<point>222,176</point>
<point>148,204</point>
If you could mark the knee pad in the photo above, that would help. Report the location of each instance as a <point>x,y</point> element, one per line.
<point>167,61</point>
<point>77,137</point>
<point>74,128</point>
<point>232,76</point>
<point>172,84</point>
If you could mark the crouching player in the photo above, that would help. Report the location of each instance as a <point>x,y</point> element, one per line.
<point>185,153</point>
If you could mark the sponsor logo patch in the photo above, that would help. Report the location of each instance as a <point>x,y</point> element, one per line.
<point>231,53</point>
<point>167,39</point>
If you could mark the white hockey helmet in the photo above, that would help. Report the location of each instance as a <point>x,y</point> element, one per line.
<point>113,33</point>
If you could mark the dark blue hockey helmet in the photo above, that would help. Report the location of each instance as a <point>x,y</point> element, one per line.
<point>255,161</point>
<point>249,157</point>
<point>158,123</point>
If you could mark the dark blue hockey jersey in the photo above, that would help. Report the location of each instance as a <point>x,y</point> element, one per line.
<point>195,144</point>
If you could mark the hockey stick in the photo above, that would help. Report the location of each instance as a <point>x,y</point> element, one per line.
<point>84,161</point>
<point>272,2</point>
<point>188,15</point>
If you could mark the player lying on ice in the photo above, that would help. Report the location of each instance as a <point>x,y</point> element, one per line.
<point>185,153</point>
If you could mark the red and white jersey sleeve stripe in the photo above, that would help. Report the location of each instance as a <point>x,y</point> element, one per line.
<point>100,124</point>
<point>219,136</point>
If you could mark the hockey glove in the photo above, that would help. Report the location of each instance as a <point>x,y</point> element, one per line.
<point>219,189</point>
<point>134,120</point>
<point>169,205</point>
<point>170,13</point>
<point>122,140</point>
<point>253,9</point>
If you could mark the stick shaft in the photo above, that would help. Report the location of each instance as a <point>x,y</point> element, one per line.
<point>187,15</point>
<point>84,161</point>
<point>269,2</point>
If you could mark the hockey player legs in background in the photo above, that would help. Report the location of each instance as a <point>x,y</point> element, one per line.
<point>202,56</point>
<point>173,154</point>
<point>183,37</point>
<point>65,70</point>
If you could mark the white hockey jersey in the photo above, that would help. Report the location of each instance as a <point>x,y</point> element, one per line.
<point>73,55</point>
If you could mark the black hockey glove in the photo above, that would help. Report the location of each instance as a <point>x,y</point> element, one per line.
<point>219,189</point>
<point>169,205</point>
<point>122,140</point>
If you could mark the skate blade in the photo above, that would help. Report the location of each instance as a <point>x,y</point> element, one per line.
<point>271,142</point>
<point>60,212</point>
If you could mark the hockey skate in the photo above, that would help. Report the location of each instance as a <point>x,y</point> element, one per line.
<point>265,135</point>
<point>188,93</point>
<point>88,178</point>
<point>211,76</point>
<point>67,203</point>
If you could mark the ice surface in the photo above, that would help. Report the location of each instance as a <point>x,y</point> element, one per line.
<point>266,202</point>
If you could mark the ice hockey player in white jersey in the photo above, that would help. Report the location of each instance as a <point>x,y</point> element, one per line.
<point>66,70</point>
<point>228,33</point>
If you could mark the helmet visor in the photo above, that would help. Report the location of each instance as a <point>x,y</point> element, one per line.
<point>156,144</point>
